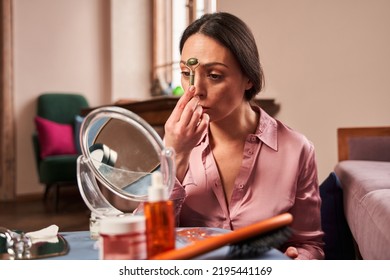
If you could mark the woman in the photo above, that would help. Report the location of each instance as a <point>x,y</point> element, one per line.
<point>236,165</point>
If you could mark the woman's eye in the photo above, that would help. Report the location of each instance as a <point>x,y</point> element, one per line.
<point>215,76</point>
<point>185,73</point>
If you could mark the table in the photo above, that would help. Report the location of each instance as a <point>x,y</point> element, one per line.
<point>82,247</point>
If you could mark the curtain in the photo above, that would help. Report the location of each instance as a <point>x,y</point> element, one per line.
<point>7,122</point>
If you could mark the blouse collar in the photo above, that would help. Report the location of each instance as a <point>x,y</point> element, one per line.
<point>266,130</point>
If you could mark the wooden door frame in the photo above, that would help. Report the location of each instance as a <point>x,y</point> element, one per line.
<point>7,121</point>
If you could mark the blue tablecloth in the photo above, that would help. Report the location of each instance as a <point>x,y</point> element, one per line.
<point>82,247</point>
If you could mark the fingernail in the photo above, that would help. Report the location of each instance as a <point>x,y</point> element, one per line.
<point>196,105</point>
<point>191,89</point>
<point>206,117</point>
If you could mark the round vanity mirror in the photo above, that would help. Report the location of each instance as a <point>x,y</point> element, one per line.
<point>120,151</point>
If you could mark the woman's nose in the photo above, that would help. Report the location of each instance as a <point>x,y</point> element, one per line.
<point>200,86</point>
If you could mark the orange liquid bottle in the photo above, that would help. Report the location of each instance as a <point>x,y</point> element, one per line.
<point>160,218</point>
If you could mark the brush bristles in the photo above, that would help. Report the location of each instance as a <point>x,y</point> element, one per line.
<point>258,245</point>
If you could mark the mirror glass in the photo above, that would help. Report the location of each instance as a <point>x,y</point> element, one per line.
<point>121,151</point>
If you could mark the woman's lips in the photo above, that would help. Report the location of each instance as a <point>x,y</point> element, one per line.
<point>205,109</point>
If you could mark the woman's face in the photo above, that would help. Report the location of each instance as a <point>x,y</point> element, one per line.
<point>219,82</point>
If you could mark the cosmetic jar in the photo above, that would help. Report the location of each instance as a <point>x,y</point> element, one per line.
<point>122,238</point>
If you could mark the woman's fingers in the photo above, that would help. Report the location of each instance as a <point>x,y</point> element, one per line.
<point>292,252</point>
<point>203,122</point>
<point>192,114</point>
<point>182,103</point>
<point>186,123</point>
<point>187,112</point>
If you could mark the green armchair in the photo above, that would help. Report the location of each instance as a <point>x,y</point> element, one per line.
<point>55,140</point>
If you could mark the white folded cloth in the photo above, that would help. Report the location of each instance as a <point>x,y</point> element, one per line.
<point>48,234</point>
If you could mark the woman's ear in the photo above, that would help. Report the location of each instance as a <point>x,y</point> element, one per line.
<point>248,85</point>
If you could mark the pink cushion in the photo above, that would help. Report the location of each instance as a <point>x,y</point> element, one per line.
<point>55,138</point>
<point>366,192</point>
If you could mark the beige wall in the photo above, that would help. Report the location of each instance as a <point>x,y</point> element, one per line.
<point>66,45</point>
<point>130,49</point>
<point>326,62</point>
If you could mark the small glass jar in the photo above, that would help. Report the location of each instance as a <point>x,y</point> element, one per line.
<point>94,225</point>
<point>122,238</point>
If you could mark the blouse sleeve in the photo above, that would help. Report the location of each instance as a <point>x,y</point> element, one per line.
<point>307,237</point>
<point>178,194</point>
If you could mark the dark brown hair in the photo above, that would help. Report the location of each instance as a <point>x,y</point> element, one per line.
<point>235,35</point>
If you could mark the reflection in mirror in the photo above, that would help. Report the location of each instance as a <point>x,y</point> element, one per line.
<point>133,182</point>
<point>123,155</point>
<point>135,152</point>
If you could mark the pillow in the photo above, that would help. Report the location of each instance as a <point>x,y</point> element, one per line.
<point>77,125</point>
<point>55,138</point>
<point>338,237</point>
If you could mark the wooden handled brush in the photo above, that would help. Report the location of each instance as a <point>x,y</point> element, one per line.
<point>248,241</point>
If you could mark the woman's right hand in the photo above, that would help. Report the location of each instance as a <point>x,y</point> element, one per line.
<point>184,129</point>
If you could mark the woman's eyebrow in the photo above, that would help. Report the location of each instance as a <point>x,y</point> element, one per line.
<point>207,64</point>
<point>214,64</point>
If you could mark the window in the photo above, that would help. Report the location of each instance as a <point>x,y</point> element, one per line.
<point>171,17</point>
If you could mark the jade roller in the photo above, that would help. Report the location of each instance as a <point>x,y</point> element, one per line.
<point>191,64</point>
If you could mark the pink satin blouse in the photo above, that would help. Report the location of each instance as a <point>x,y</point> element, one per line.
<point>278,174</point>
